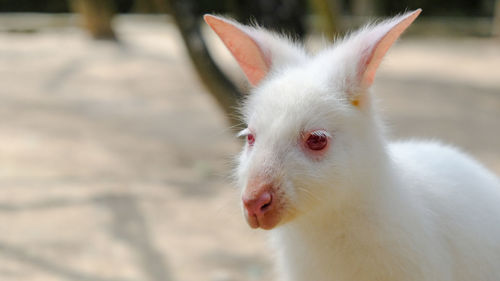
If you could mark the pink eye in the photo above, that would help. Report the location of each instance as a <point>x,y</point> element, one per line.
<point>250,139</point>
<point>317,140</point>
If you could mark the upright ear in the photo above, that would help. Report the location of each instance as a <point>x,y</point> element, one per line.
<point>257,51</point>
<point>362,52</point>
<point>384,35</point>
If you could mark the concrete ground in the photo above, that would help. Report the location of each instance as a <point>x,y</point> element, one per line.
<point>115,163</point>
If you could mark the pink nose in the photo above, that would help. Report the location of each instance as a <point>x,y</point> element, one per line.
<point>257,205</point>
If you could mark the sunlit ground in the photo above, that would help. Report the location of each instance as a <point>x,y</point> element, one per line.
<point>115,162</point>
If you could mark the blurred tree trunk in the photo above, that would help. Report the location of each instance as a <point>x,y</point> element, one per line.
<point>97,16</point>
<point>281,15</point>
<point>364,8</point>
<point>149,6</point>
<point>496,20</point>
<point>222,89</point>
<point>329,12</point>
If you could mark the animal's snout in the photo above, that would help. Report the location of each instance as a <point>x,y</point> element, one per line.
<point>262,204</point>
<point>259,203</point>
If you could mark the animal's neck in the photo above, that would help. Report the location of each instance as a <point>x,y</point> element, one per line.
<point>371,173</point>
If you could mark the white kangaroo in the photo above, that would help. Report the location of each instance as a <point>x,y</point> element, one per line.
<point>340,200</point>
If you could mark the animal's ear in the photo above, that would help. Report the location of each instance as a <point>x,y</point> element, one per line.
<point>255,49</point>
<point>386,34</point>
<point>367,48</point>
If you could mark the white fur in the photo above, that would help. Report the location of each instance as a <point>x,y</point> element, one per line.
<point>369,209</point>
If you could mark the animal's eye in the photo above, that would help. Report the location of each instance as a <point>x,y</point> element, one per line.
<point>250,139</point>
<point>317,140</point>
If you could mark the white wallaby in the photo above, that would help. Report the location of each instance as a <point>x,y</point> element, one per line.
<point>341,201</point>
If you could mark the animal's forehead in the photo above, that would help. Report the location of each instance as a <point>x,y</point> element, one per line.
<point>293,101</point>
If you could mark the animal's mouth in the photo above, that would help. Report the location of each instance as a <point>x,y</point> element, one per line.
<point>268,217</point>
<point>262,222</point>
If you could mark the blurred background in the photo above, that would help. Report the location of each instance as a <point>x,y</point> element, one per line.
<point>118,120</point>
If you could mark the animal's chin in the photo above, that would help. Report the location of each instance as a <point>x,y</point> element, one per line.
<point>267,221</point>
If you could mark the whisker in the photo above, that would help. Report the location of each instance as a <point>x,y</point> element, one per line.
<point>310,194</point>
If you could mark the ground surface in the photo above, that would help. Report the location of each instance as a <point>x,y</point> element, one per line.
<point>115,162</point>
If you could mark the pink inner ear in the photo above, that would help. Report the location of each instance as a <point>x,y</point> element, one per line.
<point>244,49</point>
<point>373,59</point>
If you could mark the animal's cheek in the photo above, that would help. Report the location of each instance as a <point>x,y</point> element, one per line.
<point>309,184</point>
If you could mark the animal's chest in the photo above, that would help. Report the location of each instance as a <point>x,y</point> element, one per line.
<point>339,257</point>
